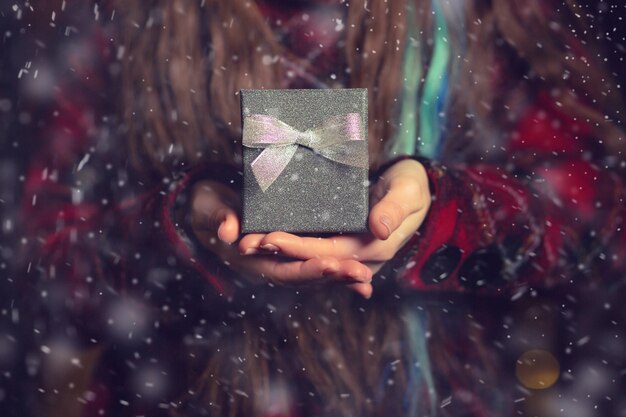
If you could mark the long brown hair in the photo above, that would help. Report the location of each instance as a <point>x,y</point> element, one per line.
<point>332,353</point>
<point>185,61</point>
<point>343,357</point>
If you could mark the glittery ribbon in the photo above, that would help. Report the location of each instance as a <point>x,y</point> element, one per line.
<point>339,139</point>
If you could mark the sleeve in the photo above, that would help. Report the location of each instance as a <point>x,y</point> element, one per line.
<point>548,212</point>
<point>93,232</point>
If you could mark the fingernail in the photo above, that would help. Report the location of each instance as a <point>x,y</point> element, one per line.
<point>251,251</point>
<point>386,221</point>
<point>270,247</point>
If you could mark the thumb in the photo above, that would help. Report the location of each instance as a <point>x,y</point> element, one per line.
<point>401,200</point>
<point>228,229</point>
<point>221,221</point>
<point>212,216</point>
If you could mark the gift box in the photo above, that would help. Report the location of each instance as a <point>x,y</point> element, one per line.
<point>305,160</point>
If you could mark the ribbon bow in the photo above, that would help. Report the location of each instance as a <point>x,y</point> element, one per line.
<point>339,139</point>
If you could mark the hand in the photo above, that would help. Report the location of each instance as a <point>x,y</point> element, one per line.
<point>399,203</point>
<point>216,225</point>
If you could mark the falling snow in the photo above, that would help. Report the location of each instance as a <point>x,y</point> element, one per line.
<point>106,306</point>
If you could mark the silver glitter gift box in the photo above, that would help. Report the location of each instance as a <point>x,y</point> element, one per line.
<point>305,160</point>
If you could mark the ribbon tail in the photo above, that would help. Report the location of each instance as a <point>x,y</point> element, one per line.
<point>352,153</point>
<point>268,166</point>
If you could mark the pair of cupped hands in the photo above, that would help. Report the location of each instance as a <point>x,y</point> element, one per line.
<point>399,202</point>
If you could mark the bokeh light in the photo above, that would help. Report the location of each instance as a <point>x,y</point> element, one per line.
<point>537,369</point>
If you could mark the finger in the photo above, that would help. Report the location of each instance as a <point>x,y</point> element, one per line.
<point>228,230</point>
<point>219,220</point>
<point>316,270</point>
<point>403,198</point>
<point>295,246</point>
<point>301,272</point>
<point>209,212</point>
<point>355,270</point>
<point>249,244</point>
<point>364,289</point>
<point>208,215</point>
